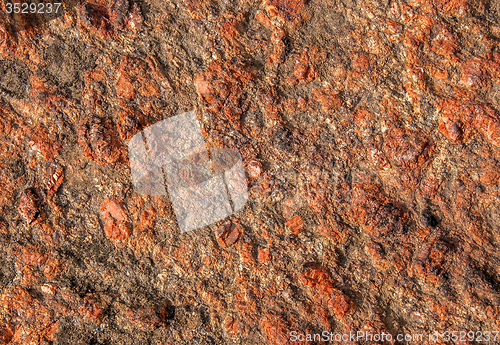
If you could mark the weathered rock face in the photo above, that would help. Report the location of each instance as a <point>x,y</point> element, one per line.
<point>369,131</point>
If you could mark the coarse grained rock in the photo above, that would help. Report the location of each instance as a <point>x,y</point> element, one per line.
<point>369,132</point>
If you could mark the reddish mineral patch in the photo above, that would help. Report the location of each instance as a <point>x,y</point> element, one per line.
<point>29,207</point>
<point>295,224</point>
<point>329,100</point>
<point>228,233</point>
<point>115,221</point>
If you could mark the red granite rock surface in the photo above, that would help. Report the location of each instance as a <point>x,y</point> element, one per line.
<point>370,136</point>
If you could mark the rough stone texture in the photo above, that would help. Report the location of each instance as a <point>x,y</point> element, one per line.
<point>369,131</point>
